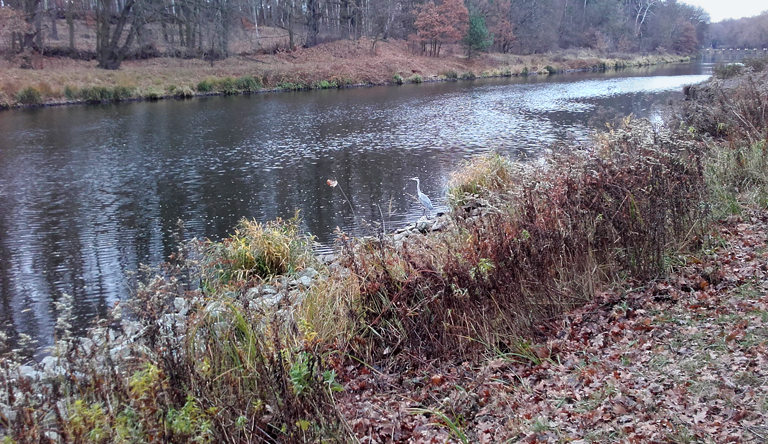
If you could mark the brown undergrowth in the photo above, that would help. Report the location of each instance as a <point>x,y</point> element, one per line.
<point>194,357</point>
<point>731,115</point>
<point>587,298</point>
<point>679,360</point>
<point>524,250</point>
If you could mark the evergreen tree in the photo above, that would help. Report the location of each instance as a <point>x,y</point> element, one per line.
<point>477,38</point>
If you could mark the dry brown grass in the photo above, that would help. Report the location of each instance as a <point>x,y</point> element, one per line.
<point>344,62</point>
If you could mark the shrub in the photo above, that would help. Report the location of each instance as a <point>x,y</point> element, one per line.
<point>89,95</point>
<point>452,75</point>
<point>205,85</point>
<point>226,85</point>
<point>398,79</point>
<point>248,83</point>
<point>551,69</point>
<point>480,178</point>
<point>325,84</point>
<point>153,93</point>
<point>469,75</point>
<point>733,113</point>
<point>524,72</point>
<point>735,110</point>
<point>256,251</point>
<point>88,421</point>
<point>727,71</point>
<point>96,94</point>
<point>756,64</point>
<point>342,81</point>
<point>185,93</point>
<point>29,96</point>
<point>70,92</point>
<point>290,86</point>
<point>120,92</point>
<point>416,78</point>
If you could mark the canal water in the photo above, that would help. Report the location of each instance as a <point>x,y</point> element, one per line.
<point>87,193</point>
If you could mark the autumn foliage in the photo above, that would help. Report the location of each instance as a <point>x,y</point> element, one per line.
<point>437,24</point>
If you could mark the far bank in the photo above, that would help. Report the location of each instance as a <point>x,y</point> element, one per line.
<point>340,64</point>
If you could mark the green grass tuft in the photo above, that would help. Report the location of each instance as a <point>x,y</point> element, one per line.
<point>256,251</point>
<point>205,86</point>
<point>96,94</point>
<point>227,85</point>
<point>123,92</point>
<point>416,78</point>
<point>29,96</point>
<point>248,84</point>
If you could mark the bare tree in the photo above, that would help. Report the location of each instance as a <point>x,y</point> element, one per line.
<point>111,45</point>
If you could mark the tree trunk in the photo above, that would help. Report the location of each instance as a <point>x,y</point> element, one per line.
<point>313,23</point>
<point>358,25</point>
<point>109,52</point>
<point>255,17</point>
<point>291,44</point>
<point>221,29</point>
<point>71,25</point>
<point>345,19</point>
<point>54,28</point>
<point>33,18</point>
<point>39,27</point>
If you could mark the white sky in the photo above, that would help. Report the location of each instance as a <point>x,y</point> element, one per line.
<point>724,9</point>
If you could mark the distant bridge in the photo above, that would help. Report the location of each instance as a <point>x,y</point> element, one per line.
<point>730,55</point>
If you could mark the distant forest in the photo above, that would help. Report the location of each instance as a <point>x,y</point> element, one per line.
<point>205,28</point>
<point>749,32</point>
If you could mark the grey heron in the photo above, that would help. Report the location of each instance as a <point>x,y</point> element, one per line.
<point>423,199</point>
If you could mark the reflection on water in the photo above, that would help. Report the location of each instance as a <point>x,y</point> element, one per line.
<point>89,192</point>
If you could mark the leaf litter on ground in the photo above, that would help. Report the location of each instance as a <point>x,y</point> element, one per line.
<point>683,359</point>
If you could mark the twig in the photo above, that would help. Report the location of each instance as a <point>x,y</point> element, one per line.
<point>761,436</point>
<point>383,223</point>
<point>336,184</point>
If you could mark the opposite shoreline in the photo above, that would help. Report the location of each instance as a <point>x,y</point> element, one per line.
<point>335,65</point>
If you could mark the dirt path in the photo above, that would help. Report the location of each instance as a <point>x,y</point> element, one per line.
<point>684,359</point>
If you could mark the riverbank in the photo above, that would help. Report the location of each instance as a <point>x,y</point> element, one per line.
<point>615,293</point>
<point>59,81</point>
